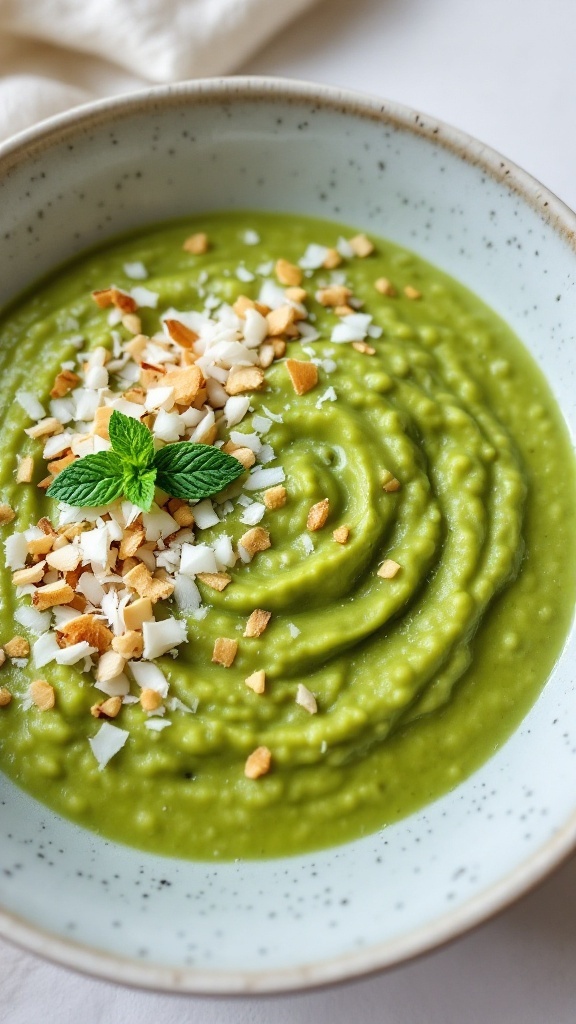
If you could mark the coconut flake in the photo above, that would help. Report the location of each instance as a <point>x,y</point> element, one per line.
<point>144,297</point>
<point>250,237</point>
<point>16,550</point>
<point>71,655</point>
<point>107,742</point>
<point>353,327</point>
<point>186,593</point>
<point>251,441</point>
<point>136,270</point>
<point>293,630</point>
<point>314,257</point>
<point>161,637</point>
<point>197,558</point>
<point>45,649</point>
<point>37,622</point>
<point>29,402</point>
<point>149,677</point>
<point>328,396</point>
<point>235,409</point>
<point>253,514</point>
<point>204,515</point>
<point>263,478</point>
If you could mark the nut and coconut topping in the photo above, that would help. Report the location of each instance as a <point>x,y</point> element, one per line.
<point>97,577</point>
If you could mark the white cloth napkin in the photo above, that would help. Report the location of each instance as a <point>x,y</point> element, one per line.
<point>55,54</point>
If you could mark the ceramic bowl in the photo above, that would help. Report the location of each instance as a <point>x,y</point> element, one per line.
<point>288,924</point>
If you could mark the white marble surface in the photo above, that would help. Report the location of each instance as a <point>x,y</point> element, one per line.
<point>503,70</point>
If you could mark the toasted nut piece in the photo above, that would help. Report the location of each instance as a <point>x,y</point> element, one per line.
<point>5,697</point>
<point>136,395</point>
<point>390,484</point>
<point>186,384</point>
<point>361,346</point>
<point>278,347</point>
<point>43,695</point>
<point>182,335</point>
<point>225,651</point>
<point>150,700</point>
<point>279,320</point>
<point>133,538</point>
<point>256,539</point>
<point>245,456</point>
<point>306,699</point>
<point>304,376</point>
<point>257,622</point>
<point>139,579</point>
<point>111,664</point>
<point>160,589</point>
<point>45,428</point>
<point>332,259</point>
<point>65,381</point>
<point>288,273</point>
<point>216,580</point>
<point>341,534</point>
<point>129,645</point>
<point>108,709</point>
<point>412,293</point>
<point>389,569</point>
<point>114,297</point>
<point>132,323</point>
<point>17,647</point>
<point>7,514</point>
<point>53,594</point>
<point>65,558</point>
<point>258,763</point>
<point>275,497</point>
<point>242,304</point>
<point>257,681</point>
<point>88,628</point>
<point>136,347</point>
<point>2,656</point>
<point>138,612</point>
<point>25,469</point>
<point>102,422</point>
<point>45,483</point>
<point>318,515</point>
<point>184,516</point>
<point>244,378</point>
<point>361,245</point>
<point>296,294</point>
<point>59,464</point>
<point>32,574</point>
<point>46,526</point>
<point>197,244</point>
<point>335,295</point>
<point>384,286</point>
<point>266,354</point>
<point>344,310</point>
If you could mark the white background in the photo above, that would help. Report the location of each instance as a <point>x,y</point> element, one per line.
<point>504,71</point>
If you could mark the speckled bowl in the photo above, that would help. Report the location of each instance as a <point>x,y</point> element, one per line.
<point>288,924</point>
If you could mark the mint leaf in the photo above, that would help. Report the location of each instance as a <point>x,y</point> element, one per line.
<point>194,471</point>
<point>131,440</point>
<point>139,486</point>
<point>94,480</point>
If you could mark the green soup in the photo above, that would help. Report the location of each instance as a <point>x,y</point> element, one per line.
<point>418,678</point>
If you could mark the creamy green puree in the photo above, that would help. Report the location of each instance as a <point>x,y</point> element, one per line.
<point>419,678</point>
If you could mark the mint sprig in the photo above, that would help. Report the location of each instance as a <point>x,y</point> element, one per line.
<point>134,469</point>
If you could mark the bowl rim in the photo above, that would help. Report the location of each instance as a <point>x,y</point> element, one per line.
<point>532,871</point>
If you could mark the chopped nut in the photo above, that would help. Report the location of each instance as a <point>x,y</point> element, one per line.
<point>279,320</point>
<point>150,700</point>
<point>335,295</point>
<point>412,293</point>
<point>65,558</point>
<point>361,246</point>
<point>102,422</point>
<point>52,594</point>
<point>257,681</point>
<point>306,699</point>
<point>65,381</point>
<point>186,384</point>
<point>89,629</point>
<point>111,664</point>
<point>45,483</point>
<point>341,534</point>
<point>17,647</point>
<point>216,580</point>
<point>384,286</point>
<point>132,323</point>
<point>244,378</point>
<point>296,294</point>
<point>344,310</point>
<point>108,709</point>
<point>361,346</point>
<point>2,656</point>
<point>160,588</point>
<point>288,273</point>
<point>32,574</point>
<point>5,697</point>
<point>275,497</point>
<point>278,347</point>
<point>25,469</point>
<point>318,514</point>
<point>133,538</point>
<point>257,622</point>
<point>242,304</point>
<point>258,763</point>
<point>114,297</point>
<point>225,651</point>
<point>7,514</point>
<point>46,526</point>
<point>245,456</point>
<point>59,464</point>
<point>197,244</point>
<point>141,580</point>
<point>390,484</point>
<point>136,348</point>
<point>181,334</point>
<point>184,516</point>
<point>389,569</point>
<point>43,695</point>
<point>332,259</point>
<point>137,613</point>
<point>304,376</point>
<point>45,428</point>
<point>78,602</point>
<point>256,539</point>
<point>129,645</point>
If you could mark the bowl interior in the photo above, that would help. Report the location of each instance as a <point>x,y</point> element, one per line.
<point>264,926</point>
